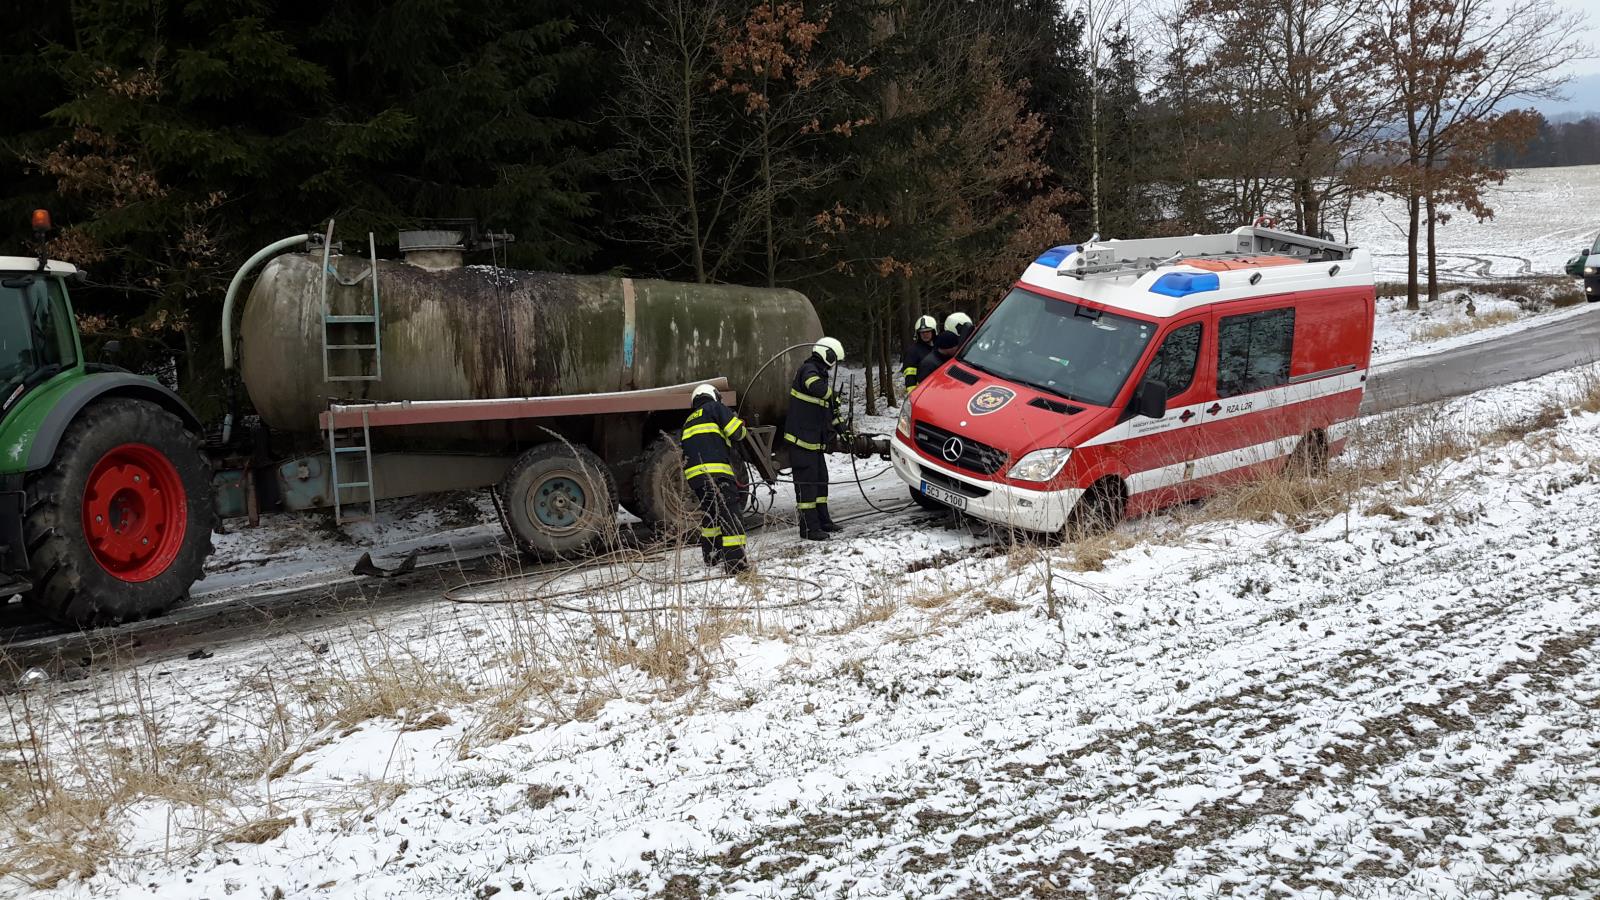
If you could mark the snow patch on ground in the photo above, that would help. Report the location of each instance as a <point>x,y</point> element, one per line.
<point>1400,700</point>
<point>1463,316</point>
<point>292,551</point>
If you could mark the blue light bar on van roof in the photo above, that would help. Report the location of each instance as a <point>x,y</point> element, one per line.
<point>1182,284</point>
<point>1055,255</point>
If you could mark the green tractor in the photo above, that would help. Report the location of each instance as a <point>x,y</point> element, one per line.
<point>105,492</point>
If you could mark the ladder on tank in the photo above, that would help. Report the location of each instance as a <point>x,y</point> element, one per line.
<point>359,338</point>
<point>353,446</point>
<point>349,342</point>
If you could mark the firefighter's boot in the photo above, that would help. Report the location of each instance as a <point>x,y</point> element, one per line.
<point>811,525</point>
<point>824,519</point>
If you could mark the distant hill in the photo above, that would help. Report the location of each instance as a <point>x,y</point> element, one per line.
<point>1581,96</point>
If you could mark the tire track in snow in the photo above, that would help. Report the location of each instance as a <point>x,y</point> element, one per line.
<point>923,833</point>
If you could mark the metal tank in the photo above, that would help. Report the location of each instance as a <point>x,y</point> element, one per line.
<point>450,333</point>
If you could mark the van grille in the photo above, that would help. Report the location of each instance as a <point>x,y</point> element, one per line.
<point>975,457</point>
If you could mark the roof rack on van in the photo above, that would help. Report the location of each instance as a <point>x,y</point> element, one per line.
<point>1097,258</point>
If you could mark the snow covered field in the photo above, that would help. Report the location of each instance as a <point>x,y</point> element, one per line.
<point>1542,217</point>
<point>1396,699</point>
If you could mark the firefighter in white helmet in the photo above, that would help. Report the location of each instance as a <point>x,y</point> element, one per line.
<point>959,324</point>
<point>912,363</point>
<point>709,434</point>
<point>813,418</point>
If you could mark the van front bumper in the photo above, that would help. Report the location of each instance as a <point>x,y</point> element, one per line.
<point>1003,504</point>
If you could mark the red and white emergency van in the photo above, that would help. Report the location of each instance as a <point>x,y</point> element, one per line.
<point>1118,377</point>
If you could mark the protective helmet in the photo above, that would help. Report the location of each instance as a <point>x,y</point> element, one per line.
<point>926,323</point>
<point>956,320</point>
<point>704,392</point>
<point>830,350</point>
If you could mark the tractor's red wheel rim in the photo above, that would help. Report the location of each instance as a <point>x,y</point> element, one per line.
<point>135,512</point>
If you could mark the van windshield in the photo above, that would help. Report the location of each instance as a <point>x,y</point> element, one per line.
<point>1059,347</point>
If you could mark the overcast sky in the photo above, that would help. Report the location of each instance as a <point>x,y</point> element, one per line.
<point>1592,9</point>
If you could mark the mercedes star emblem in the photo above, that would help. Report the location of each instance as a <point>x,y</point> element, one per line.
<point>952,449</point>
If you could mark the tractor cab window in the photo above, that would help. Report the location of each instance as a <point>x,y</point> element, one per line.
<point>34,332</point>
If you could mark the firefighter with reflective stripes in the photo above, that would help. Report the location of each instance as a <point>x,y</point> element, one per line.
<point>813,418</point>
<point>708,437</point>
<point>913,365</point>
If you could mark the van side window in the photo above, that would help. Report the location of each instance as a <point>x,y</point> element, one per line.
<point>1174,363</point>
<point>1253,351</point>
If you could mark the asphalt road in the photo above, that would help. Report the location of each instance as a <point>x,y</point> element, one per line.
<point>1519,356</point>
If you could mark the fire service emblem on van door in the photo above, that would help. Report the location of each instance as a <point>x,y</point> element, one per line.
<point>990,399</point>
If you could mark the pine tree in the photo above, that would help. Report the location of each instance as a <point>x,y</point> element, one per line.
<point>182,136</point>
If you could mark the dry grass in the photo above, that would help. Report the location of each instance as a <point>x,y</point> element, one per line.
<point>74,768</point>
<point>1439,330</point>
<point>1091,552</point>
<point>1555,290</point>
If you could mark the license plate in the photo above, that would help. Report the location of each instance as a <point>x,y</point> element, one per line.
<point>948,498</point>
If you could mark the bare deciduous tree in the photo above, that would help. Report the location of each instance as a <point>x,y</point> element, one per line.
<point>1455,70</point>
<point>679,153</point>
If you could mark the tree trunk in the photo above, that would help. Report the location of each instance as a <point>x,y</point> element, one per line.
<point>1433,253</point>
<point>1414,208</point>
<point>1094,154</point>
<point>686,133</point>
<point>1313,224</point>
<point>872,395</point>
<point>886,366</point>
<point>910,305</point>
<point>766,184</point>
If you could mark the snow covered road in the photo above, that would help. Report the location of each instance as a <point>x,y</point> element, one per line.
<point>1400,700</point>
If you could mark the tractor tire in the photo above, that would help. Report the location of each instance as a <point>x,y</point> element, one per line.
<point>926,502</point>
<point>559,500</point>
<point>119,526</point>
<point>661,494</point>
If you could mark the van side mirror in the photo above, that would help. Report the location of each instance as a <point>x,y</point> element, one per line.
<point>1151,399</point>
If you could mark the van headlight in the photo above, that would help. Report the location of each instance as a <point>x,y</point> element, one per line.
<point>1041,465</point>
<point>1591,270</point>
<point>904,424</point>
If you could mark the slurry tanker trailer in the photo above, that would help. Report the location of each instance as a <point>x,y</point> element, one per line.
<point>371,379</point>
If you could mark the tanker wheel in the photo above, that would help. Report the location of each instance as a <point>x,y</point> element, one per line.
<point>662,496</point>
<point>119,526</point>
<point>559,500</point>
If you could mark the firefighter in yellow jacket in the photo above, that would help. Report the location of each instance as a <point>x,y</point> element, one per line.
<point>814,418</point>
<point>708,438</point>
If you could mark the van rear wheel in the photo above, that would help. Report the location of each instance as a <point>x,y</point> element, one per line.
<point>1098,511</point>
<point>1310,456</point>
